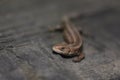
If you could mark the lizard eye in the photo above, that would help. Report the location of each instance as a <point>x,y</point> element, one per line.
<point>62,48</point>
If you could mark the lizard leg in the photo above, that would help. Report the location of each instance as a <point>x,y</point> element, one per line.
<point>85,34</point>
<point>79,57</point>
<point>80,30</point>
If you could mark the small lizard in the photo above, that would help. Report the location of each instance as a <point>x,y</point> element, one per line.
<point>73,41</point>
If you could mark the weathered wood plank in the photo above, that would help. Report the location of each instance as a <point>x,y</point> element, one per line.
<point>25,42</point>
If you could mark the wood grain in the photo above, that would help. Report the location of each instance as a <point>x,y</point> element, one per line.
<point>25,42</point>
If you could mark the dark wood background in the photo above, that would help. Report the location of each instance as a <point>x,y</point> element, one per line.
<point>25,40</point>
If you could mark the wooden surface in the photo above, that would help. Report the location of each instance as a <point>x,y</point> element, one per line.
<point>25,42</point>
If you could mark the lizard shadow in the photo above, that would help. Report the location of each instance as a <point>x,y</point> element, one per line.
<point>64,56</point>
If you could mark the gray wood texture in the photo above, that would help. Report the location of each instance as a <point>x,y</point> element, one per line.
<point>25,40</point>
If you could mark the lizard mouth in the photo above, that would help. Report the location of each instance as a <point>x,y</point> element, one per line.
<point>55,49</point>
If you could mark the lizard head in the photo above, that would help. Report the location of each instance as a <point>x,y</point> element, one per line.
<point>62,49</point>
